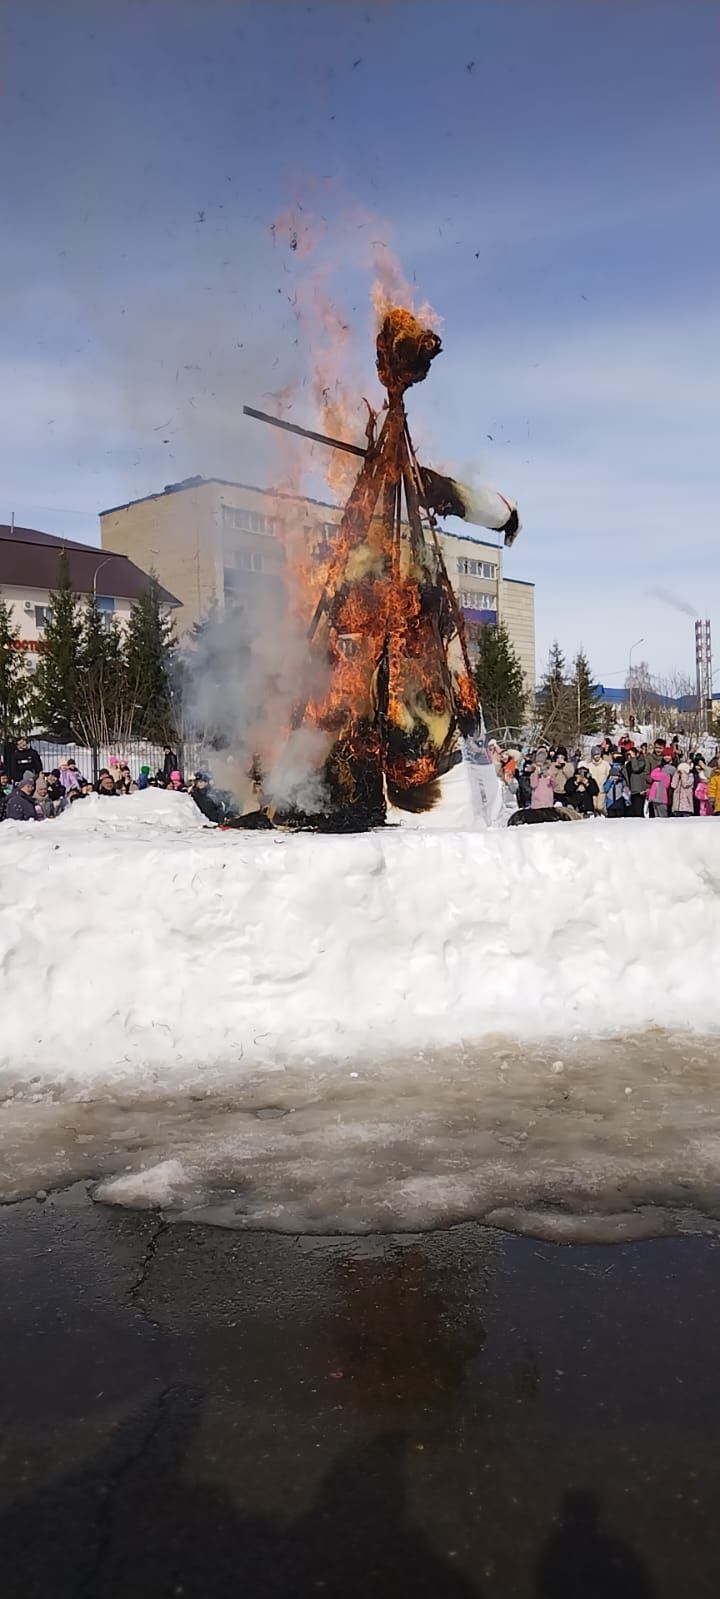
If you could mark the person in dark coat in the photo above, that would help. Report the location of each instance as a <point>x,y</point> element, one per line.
<point>105,784</point>
<point>24,759</point>
<point>5,791</point>
<point>636,777</point>
<point>581,791</point>
<point>524,794</point>
<point>170,763</point>
<point>21,805</point>
<point>55,788</point>
<point>203,798</point>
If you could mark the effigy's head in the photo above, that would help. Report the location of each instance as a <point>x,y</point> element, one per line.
<point>405,350</point>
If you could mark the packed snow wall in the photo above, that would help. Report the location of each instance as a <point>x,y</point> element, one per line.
<point>135,941</point>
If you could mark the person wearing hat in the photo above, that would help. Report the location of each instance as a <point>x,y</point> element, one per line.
<point>682,785</point>
<point>617,793</point>
<point>200,790</point>
<point>699,775</point>
<point>562,770</point>
<point>581,790</point>
<point>599,769</point>
<point>176,782</point>
<point>44,806</point>
<point>670,764</point>
<point>661,777</point>
<point>143,778</point>
<point>21,805</point>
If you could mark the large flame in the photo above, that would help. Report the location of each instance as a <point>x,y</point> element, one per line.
<point>376,600</point>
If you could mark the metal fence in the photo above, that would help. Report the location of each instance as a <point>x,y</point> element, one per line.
<point>137,753</point>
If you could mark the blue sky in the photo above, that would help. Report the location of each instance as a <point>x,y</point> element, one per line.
<point>548,175</point>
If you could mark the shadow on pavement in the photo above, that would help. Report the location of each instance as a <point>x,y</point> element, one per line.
<point>581,1562</point>
<point>132,1522</point>
<point>135,1520</point>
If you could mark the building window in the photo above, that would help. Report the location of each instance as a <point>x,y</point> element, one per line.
<point>247,561</point>
<point>469,568</point>
<point>106,611</point>
<point>249,521</point>
<point>43,615</point>
<point>476,600</point>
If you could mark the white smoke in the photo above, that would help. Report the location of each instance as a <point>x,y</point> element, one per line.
<point>295,778</point>
<point>249,670</point>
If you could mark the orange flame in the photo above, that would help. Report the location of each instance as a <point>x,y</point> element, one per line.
<point>375,601</point>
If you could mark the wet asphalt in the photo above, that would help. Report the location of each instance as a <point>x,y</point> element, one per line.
<point>222,1415</point>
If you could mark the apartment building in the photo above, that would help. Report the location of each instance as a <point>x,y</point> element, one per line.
<point>209,539</point>
<point>487,595</point>
<point>29,572</point>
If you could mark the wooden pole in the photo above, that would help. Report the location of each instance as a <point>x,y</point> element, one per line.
<point>304,433</point>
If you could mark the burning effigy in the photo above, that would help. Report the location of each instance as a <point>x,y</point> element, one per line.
<point>396,695</point>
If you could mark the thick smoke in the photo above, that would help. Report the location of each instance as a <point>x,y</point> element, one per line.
<point>249,670</point>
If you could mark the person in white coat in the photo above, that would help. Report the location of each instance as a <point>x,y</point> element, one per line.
<point>599,768</point>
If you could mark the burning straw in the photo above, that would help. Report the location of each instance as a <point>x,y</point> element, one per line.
<point>398,688</point>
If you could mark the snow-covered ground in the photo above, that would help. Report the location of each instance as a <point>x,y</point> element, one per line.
<point>416,1004</point>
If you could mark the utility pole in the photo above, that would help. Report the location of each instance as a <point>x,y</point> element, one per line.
<point>630,682</point>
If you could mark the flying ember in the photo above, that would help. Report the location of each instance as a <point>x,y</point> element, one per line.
<point>396,694</point>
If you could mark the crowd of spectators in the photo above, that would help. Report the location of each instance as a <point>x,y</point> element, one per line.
<point>30,794</point>
<point>615,780</point>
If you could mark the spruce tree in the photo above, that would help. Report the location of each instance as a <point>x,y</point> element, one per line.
<point>14,680</point>
<point>499,680</point>
<point>150,662</point>
<point>555,699</point>
<point>56,680</point>
<point>586,704</point>
<point>105,706</point>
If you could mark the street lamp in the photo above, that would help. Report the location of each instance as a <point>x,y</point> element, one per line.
<point>99,568</point>
<point>630,701</point>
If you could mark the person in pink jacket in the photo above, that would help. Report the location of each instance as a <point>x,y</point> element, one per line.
<point>659,791</point>
<point>543,793</point>
<point>705,804</point>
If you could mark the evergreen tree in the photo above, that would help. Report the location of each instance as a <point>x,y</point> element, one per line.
<point>499,680</point>
<point>608,719</point>
<point>56,680</point>
<point>587,706</point>
<point>106,708</point>
<point>14,680</point>
<point>555,700</point>
<point>150,665</point>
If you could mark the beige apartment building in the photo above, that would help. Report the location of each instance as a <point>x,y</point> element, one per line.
<point>209,540</point>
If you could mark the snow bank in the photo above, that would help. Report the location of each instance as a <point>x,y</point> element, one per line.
<point>134,814</point>
<point>132,942</point>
